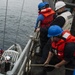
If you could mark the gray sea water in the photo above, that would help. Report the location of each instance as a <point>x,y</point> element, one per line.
<point>26,25</point>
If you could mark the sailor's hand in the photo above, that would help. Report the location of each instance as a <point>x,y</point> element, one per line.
<point>46,63</point>
<point>37,29</point>
<point>57,66</point>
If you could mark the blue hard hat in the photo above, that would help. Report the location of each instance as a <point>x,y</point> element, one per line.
<point>74,72</point>
<point>46,3</point>
<point>54,30</point>
<point>41,5</point>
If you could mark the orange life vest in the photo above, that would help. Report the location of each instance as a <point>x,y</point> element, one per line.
<point>58,48</point>
<point>48,14</point>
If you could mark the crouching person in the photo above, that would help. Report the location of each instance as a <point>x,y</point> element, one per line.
<point>62,49</point>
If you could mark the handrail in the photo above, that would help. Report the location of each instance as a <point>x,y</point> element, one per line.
<point>20,65</point>
<point>18,69</point>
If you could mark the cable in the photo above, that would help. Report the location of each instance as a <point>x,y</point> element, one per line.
<point>19,22</point>
<point>5,23</point>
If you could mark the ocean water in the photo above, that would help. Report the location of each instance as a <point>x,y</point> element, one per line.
<point>25,26</point>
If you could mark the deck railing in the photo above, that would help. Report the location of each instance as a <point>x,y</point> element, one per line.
<point>20,66</point>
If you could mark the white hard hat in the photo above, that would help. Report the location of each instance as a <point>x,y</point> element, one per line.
<point>7,58</point>
<point>59,5</point>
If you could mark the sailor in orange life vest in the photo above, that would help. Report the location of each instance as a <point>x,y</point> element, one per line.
<point>44,19</point>
<point>62,48</point>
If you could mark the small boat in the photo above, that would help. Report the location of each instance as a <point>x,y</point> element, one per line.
<point>10,57</point>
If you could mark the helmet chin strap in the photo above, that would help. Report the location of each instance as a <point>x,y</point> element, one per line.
<point>60,36</point>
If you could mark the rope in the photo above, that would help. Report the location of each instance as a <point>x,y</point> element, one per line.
<point>42,65</point>
<point>5,23</point>
<point>19,21</point>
